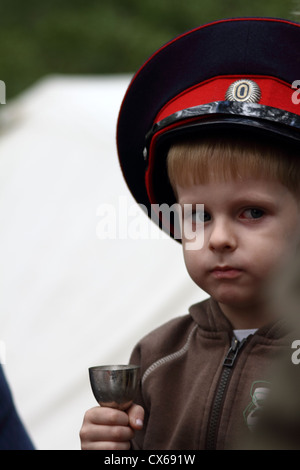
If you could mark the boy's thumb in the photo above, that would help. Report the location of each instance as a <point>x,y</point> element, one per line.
<point>136,416</point>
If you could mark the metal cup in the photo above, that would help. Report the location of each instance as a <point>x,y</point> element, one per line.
<point>114,386</point>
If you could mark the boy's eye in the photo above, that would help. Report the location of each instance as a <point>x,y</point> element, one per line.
<point>252,214</point>
<point>200,216</point>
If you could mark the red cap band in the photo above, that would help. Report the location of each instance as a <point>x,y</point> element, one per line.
<point>274,92</point>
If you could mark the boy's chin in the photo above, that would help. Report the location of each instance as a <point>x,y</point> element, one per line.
<point>238,300</point>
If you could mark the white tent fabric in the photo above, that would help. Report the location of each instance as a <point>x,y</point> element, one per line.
<point>71,298</point>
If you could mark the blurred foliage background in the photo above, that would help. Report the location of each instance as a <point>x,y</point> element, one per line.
<point>39,38</point>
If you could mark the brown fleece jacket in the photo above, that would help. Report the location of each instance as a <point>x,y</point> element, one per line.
<point>192,399</point>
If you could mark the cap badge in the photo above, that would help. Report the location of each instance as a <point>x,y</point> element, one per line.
<point>245,91</point>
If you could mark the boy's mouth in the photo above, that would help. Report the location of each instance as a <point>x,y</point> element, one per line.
<point>226,272</point>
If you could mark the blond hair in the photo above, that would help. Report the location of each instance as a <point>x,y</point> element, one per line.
<point>199,161</point>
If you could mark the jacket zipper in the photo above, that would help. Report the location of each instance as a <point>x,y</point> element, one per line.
<point>228,364</point>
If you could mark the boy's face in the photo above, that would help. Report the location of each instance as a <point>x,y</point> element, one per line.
<point>249,227</point>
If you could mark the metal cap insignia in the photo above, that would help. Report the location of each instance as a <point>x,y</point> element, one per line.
<point>244,90</point>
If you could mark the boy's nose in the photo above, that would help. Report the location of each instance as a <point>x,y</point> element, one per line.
<point>222,237</point>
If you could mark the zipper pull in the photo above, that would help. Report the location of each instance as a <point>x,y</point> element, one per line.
<point>233,351</point>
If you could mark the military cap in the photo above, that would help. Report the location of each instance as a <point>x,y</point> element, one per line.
<point>240,73</point>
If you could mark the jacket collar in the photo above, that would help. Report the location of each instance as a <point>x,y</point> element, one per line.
<point>209,316</point>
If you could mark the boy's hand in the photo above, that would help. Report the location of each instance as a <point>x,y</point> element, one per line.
<point>110,429</point>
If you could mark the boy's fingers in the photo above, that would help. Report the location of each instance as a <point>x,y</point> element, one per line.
<point>102,445</point>
<point>106,416</point>
<point>96,433</point>
<point>105,428</point>
<point>136,416</point>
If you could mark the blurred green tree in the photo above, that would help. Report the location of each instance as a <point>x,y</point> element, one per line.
<point>103,36</point>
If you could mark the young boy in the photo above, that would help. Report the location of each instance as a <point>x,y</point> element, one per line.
<point>216,119</point>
